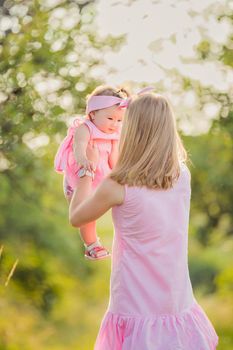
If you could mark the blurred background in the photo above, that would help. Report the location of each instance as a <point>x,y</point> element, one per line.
<point>52,54</point>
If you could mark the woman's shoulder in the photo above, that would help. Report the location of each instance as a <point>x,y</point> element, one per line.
<point>185,169</point>
<point>113,190</point>
<point>184,180</point>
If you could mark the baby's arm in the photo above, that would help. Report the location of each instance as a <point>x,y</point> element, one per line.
<point>114,154</point>
<point>81,139</point>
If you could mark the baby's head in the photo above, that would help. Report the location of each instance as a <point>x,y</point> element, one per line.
<point>150,147</point>
<point>106,112</point>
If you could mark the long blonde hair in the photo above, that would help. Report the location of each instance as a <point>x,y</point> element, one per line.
<point>150,148</point>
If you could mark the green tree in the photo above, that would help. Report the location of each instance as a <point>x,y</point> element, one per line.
<point>48,52</point>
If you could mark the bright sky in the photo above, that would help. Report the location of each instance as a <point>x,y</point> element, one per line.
<point>162,36</point>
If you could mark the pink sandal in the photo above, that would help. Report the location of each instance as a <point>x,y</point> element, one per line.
<point>97,253</point>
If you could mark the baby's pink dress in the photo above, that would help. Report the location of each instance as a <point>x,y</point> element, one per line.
<point>152,306</point>
<point>65,162</point>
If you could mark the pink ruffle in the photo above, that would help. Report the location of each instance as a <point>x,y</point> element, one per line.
<point>64,159</point>
<point>189,330</point>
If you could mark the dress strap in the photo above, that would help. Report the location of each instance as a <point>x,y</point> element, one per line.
<point>62,155</point>
<point>126,188</point>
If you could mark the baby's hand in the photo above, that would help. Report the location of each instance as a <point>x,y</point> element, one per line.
<point>115,143</point>
<point>112,160</point>
<point>115,147</point>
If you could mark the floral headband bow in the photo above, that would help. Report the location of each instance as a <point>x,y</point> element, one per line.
<point>99,102</point>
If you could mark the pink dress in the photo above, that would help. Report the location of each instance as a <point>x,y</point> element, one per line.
<point>152,306</point>
<point>65,162</point>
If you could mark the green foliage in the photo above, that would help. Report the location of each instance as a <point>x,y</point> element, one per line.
<point>203,274</point>
<point>45,303</point>
<point>212,183</point>
<point>55,299</point>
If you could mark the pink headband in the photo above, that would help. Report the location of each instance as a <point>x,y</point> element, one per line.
<point>99,102</point>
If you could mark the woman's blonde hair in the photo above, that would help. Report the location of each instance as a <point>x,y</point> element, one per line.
<point>150,147</point>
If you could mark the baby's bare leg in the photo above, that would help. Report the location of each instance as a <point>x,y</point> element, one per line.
<point>88,231</point>
<point>93,248</point>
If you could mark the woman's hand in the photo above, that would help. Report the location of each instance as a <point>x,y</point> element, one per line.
<point>85,163</point>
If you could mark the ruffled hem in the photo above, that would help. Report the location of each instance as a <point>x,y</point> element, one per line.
<point>189,330</point>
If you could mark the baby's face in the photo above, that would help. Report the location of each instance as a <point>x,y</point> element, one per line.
<point>108,119</point>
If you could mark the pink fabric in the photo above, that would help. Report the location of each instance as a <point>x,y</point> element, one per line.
<point>152,306</point>
<point>145,90</point>
<point>65,162</point>
<point>100,102</point>
<point>97,102</point>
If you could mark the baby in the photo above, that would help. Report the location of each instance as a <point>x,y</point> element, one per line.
<point>101,125</point>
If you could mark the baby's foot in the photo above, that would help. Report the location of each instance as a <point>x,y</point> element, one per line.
<point>96,251</point>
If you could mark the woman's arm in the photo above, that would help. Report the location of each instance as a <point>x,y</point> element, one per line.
<point>83,210</point>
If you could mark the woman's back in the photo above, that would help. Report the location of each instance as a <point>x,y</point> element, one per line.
<point>150,253</point>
